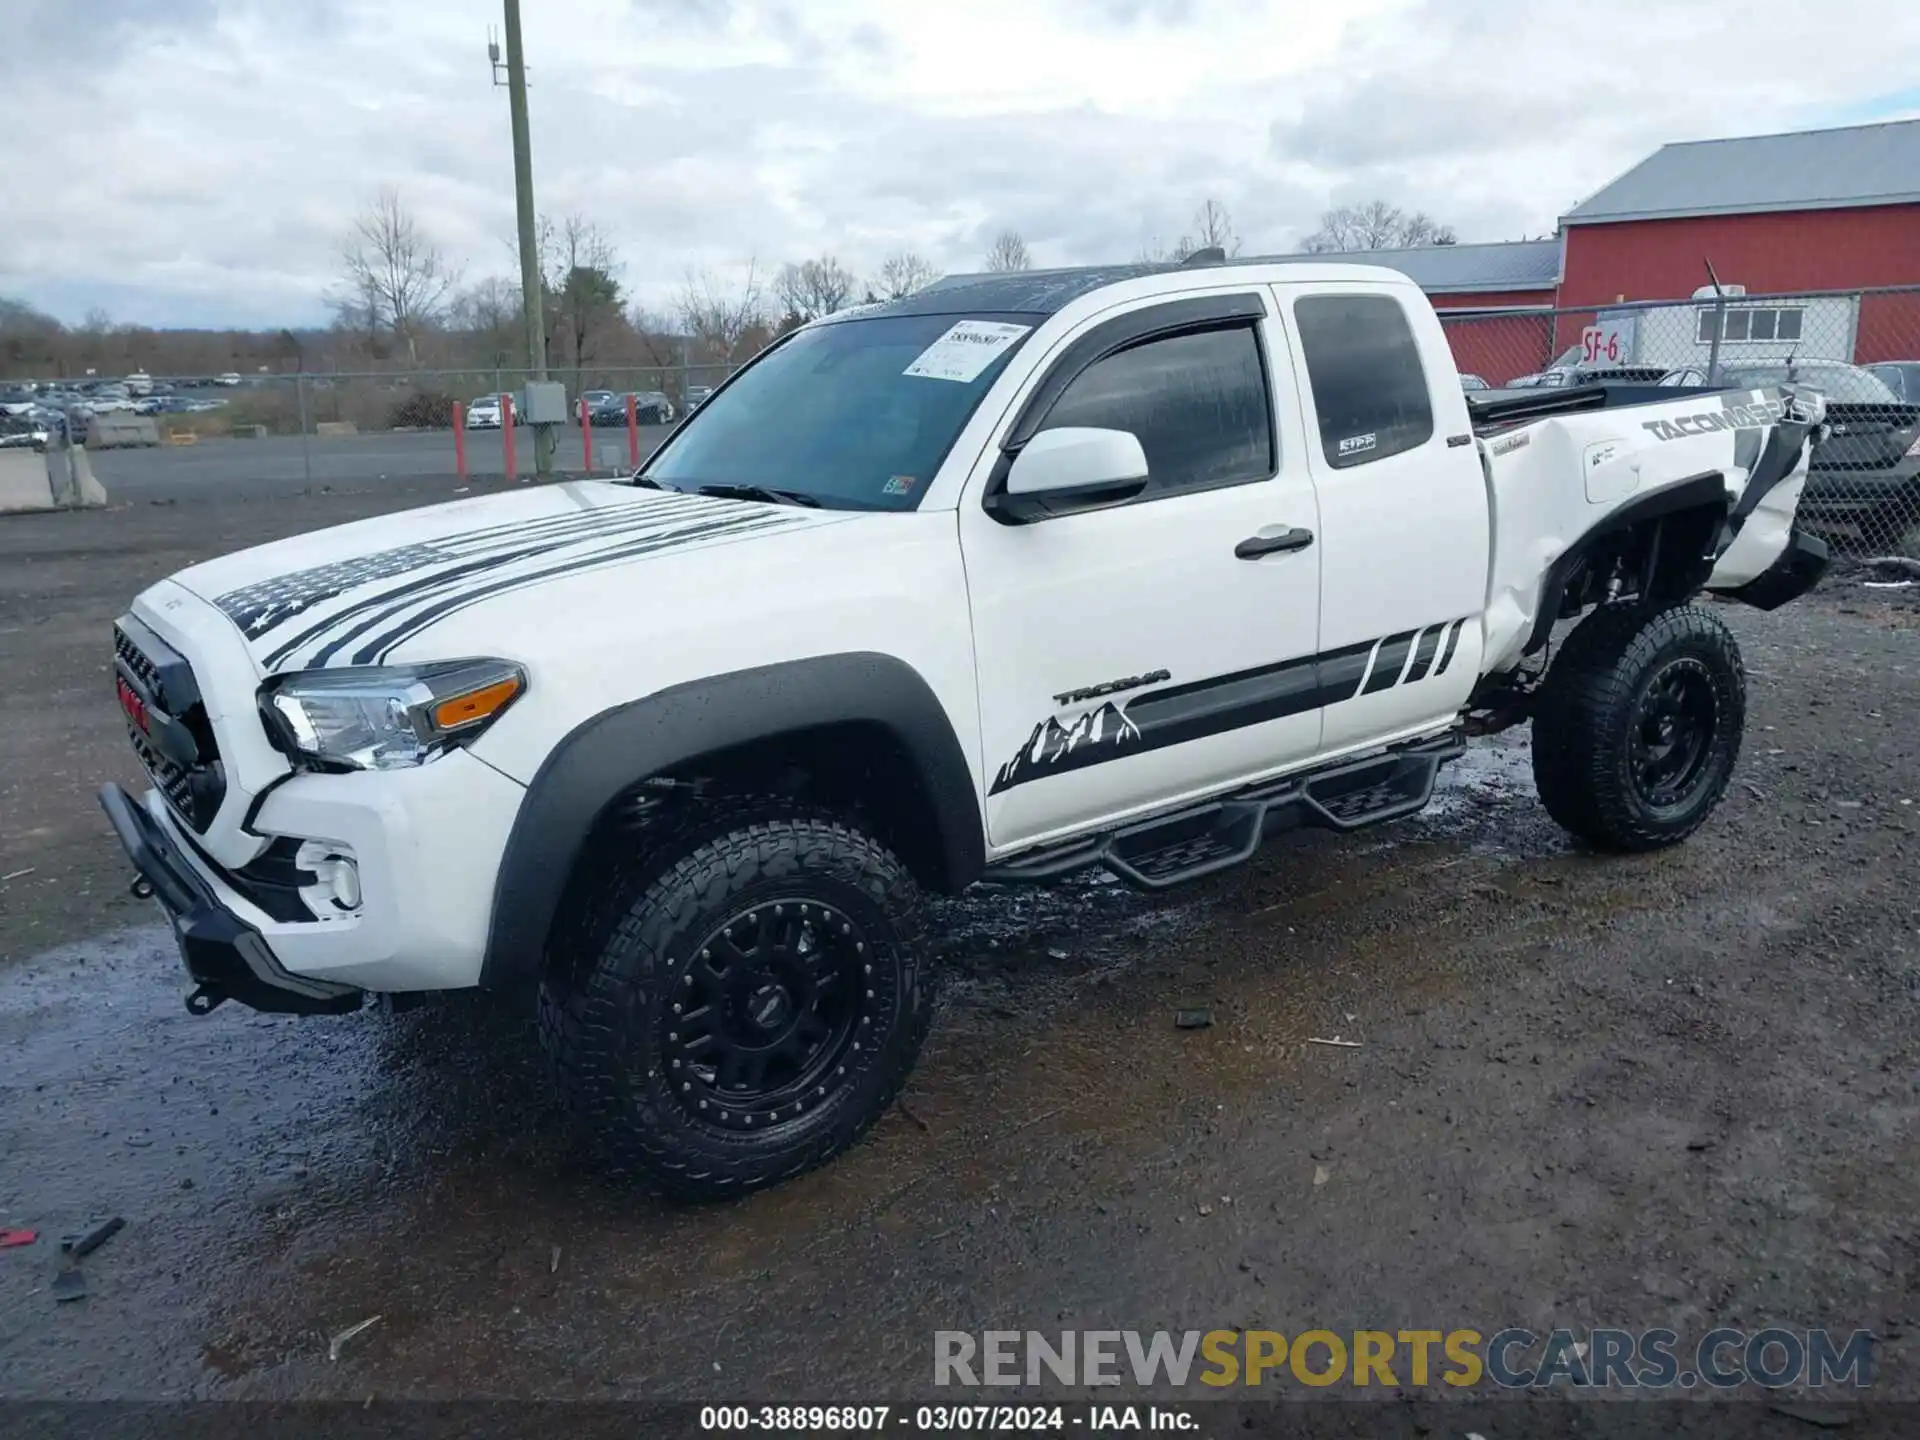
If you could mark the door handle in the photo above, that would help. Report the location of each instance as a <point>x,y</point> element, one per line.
<point>1255,546</point>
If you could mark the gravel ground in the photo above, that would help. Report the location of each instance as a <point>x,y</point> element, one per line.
<point>1676,1090</point>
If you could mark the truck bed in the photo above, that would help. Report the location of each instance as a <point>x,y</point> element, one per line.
<point>1502,409</point>
<point>1563,465</point>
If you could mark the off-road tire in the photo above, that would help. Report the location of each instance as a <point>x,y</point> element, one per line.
<point>614,973</point>
<point>1590,713</point>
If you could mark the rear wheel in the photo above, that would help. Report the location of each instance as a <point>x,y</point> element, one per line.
<point>1638,726</point>
<point>743,1005</point>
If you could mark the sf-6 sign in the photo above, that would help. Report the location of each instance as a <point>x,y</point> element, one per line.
<point>1608,341</point>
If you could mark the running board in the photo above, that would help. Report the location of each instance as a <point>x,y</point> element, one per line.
<point>1170,850</point>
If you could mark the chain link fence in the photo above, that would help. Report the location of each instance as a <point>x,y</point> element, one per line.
<point>1860,348</point>
<point>349,426</point>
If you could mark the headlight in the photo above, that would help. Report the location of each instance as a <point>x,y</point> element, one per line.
<point>389,716</point>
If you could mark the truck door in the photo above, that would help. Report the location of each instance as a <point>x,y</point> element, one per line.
<point>1404,513</point>
<point>1150,649</point>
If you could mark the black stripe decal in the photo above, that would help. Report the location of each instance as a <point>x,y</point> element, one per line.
<point>390,606</point>
<point>1423,656</point>
<point>376,651</point>
<point>266,605</point>
<point>1175,714</point>
<point>1776,462</point>
<point>1446,658</point>
<point>1342,670</point>
<point>397,597</point>
<point>1393,656</point>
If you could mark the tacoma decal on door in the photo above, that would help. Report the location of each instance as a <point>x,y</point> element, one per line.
<point>1178,713</point>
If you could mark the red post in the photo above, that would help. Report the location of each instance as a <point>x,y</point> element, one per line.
<point>460,440</point>
<point>586,438</point>
<point>506,428</point>
<point>633,430</point>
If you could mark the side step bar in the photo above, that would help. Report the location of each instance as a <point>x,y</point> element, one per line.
<point>1170,850</point>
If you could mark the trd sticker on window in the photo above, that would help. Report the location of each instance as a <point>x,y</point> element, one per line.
<point>1359,444</point>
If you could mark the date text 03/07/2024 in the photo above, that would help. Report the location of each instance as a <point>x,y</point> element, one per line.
<point>945,1419</point>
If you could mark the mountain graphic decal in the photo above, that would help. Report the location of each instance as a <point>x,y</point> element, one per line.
<point>1053,748</point>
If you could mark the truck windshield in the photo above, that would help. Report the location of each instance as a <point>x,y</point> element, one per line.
<point>854,414</point>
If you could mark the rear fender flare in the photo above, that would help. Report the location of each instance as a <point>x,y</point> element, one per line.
<point>1704,495</point>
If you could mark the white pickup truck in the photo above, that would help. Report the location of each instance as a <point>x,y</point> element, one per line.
<point>1017,576</point>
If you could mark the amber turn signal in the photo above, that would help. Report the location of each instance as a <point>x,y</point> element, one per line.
<point>475,705</point>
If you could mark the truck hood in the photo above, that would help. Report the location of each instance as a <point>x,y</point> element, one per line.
<point>352,594</point>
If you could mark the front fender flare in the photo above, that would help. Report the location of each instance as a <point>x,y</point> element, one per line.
<point>607,755</point>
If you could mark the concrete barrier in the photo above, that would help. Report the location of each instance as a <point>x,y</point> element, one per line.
<point>334,428</point>
<point>61,479</point>
<point>116,430</point>
<point>24,483</point>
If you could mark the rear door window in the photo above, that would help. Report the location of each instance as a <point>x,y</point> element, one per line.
<point>1369,388</point>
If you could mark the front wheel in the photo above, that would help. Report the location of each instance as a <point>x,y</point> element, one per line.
<point>742,1007</point>
<point>1638,726</point>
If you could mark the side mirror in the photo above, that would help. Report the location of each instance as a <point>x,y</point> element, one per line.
<point>1072,468</point>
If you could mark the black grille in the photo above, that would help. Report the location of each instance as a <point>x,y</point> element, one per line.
<point>166,683</point>
<point>145,669</point>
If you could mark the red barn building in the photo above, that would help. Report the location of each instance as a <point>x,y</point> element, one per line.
<point>1816,215</point>
<point>1815,210</point>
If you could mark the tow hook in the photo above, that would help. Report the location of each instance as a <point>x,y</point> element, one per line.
<point>141,888</point>
<point>204,1000</point>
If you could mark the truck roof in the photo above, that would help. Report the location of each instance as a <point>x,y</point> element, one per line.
<point>1045,292</point>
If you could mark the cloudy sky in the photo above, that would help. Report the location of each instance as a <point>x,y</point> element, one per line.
<point>194,162</point>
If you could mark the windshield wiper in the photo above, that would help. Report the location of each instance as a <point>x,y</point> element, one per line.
<point>759,492</point>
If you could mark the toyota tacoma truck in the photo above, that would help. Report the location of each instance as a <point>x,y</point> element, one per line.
<point>1130,568</point>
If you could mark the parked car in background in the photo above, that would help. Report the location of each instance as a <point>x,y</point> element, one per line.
<point>653,407</point>
<point>17,432</point>
<point>609,409</point>
<point>139,384</point>
<point>697,396</point>
<point>484,413</point>
<point>230,379</point>
<point>1900,376</point>
<point>15,399</point>
<point>1472,382</point>
<point>1864,474</point>
<point>1556,377</point>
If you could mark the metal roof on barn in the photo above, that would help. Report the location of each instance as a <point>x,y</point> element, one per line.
<point>1457,269</point>
<point>1758,174</point>
<point>1437,269</point>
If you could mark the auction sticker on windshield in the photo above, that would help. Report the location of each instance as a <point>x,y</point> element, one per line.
<point>965,350</point>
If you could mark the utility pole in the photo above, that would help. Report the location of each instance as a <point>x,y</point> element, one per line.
<point>530,282</point>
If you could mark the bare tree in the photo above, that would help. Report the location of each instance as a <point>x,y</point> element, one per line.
<point>657,340</point>
<point>394,280</point>
<point>902,274</point>
<point>1009,252</point>
<point>1376,225</point>
<point>579,269</point>
<point>1212,229</point>
<point>489,313</point>
<point>717,317</point>
<point>813,288</point>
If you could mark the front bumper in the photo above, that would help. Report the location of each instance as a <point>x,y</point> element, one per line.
<point>226,957</point>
